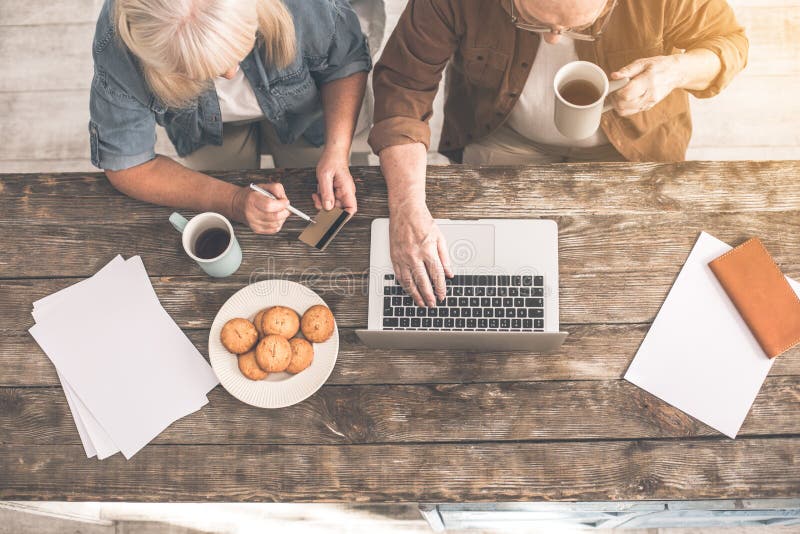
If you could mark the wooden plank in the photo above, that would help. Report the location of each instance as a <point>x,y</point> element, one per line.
<point>774,48</point>
<point>594,243</point>
<point>53,165</point>
<point>510,411</point>
<point>735,117</point>
<point>30,51</point>
<point>729,119</point>
<point>34,13</point>
<point>631,470</point>
<point>62,125</point>
<point>455,191</point>
<point>724,153</point>
<point>632,297</point>
<point>593,352</point>
<point>596,352</point>
<point>53,57</point>
<point>61,132</point>
<point>775,4</point>
<point>45,12</point>
<point>627,297</point>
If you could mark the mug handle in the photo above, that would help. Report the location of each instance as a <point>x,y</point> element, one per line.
<point>178,221</point>
<point>614,85</point>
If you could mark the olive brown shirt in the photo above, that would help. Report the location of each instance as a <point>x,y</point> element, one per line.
<point>489,60</point>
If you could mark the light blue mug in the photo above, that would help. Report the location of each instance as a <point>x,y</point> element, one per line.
<point>224,264</point>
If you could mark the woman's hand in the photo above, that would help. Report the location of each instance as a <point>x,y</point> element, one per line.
<point>335,183</point>
<point>263,214</point>
<point>652,79</point>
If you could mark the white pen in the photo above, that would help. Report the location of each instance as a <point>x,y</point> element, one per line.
<point>296,211</point>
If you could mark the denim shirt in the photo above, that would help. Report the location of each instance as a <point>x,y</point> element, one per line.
<point>124,111</point>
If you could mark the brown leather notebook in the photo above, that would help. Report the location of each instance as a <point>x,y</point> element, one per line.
<point>761,294</point>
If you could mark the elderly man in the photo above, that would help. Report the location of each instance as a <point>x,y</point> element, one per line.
<point>502,56</point>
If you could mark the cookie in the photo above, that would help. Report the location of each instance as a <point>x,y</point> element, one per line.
<point>302,354</point>
<point>238,335</point>
<point>257,322</point>
<point>249,367</point>
<point>273,353</point>
<point>280,320</point>
<point>317,323</point>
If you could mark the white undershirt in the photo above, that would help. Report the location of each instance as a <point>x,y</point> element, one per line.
<point>532,116</point>
<point>237,101</point>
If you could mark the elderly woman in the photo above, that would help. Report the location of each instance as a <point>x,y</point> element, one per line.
<point>227,78</point>
<point>502,57</point>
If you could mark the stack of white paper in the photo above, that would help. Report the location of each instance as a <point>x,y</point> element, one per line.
<point>699,354</point>
<point>128,371</point>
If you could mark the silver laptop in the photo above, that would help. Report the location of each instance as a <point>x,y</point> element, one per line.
<point>503,297</point>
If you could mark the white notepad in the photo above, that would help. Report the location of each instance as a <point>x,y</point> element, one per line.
<point>95,440</point>
<point>699,354</point>
<point>127,369</point>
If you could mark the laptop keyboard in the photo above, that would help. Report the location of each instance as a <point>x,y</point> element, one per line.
<point>482,303</point>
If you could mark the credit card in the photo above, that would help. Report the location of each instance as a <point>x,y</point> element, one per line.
<point>327,225</point>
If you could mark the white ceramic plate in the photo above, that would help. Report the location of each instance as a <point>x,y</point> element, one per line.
<point>278,389</point>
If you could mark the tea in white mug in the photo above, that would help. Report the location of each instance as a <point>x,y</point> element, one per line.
<point>579,92</point>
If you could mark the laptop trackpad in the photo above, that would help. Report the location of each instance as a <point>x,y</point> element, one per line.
<point>470,245</point>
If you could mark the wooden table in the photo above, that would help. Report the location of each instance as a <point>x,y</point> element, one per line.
<point>423,426</point>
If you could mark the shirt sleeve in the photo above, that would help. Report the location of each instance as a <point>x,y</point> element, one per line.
<point>407,76</point>
<point>122,130</point>
<point>348,52</point>
<point>709,24</point>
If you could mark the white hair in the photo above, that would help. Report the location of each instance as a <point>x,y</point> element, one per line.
<point>184,44</point>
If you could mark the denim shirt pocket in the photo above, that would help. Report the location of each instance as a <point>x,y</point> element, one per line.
<point>93,142</point>
<point>296,90</point>
<point>111,89</point>
<point>299,102</point>
<point>101,41</point>
<point>184,130</point>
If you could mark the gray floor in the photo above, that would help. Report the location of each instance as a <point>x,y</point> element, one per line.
<point>46,69</point>
<point>130,518</point>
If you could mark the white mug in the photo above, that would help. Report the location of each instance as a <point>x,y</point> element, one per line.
<point>579,122</point>
<point>224,264</point>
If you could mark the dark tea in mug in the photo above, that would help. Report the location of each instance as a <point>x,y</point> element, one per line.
<point>579,92</point>
<point>211,243</point>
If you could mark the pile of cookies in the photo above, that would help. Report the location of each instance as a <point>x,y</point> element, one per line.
<point>268,343</point>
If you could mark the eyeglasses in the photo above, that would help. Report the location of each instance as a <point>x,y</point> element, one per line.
<point>573,33</point>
